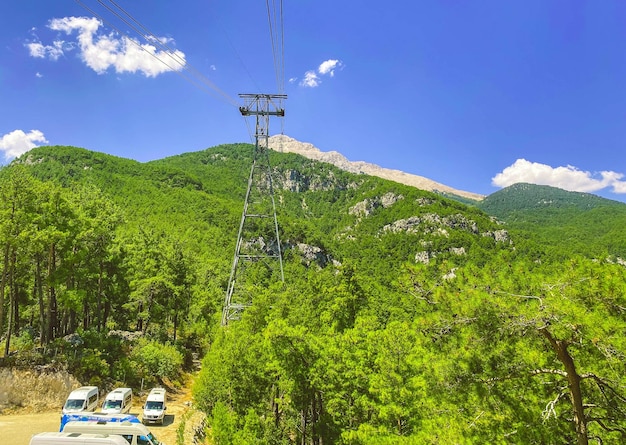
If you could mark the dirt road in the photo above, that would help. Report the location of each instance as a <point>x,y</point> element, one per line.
<point>17,428</point>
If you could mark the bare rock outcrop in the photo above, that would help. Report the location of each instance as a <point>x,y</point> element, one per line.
<point>281,142</point>
<point>35,390</point>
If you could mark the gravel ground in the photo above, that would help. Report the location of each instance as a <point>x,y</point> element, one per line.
<point>18,427</point>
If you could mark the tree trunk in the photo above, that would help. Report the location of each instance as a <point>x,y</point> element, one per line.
<point>303,426</point>
<point>70,320</point>
<point>320,415</point>
<point>573,380</point>
<point>52,298</point>
<point>106,312</point>
<point>100,311</point>
<point>148,309</point>
<point>42,306</point>
<point>316,412</point>
<point>12,302</point>
<point>3,281</point>
<point>16,309</point>
<point>139,326</point>
<point>175,324</point>
<point>86,321</point>
<point>275,404</point>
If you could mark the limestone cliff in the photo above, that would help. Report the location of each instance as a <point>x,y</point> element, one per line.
<point>289,145</point>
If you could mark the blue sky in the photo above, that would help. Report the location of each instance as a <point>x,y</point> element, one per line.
<point>476,95</point>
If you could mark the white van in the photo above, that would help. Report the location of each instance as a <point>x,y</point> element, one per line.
<point>134,433</point>
<point>84,398</point>
<point>118,401</point>
<point>156,404</point>
<point>76,439</point>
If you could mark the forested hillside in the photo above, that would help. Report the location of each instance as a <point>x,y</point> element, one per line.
<point>572,222</point>
<point>405,317</point>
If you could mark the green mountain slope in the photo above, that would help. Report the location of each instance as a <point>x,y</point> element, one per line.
<point>204,192</point>
<point>405,317</point>
<point>570,221</point>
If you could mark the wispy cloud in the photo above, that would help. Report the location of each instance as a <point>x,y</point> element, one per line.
<point>312,78</point>
<point>52,52</point>
<point>17,142</point>
<point>568,178</point>
<point>101,51</point>
<point>329,66</point>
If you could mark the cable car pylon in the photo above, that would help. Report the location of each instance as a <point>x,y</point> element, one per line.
<point>258,254</point>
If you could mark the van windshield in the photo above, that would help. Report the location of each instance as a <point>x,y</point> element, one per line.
<point>74,404</point>
<point>151,404</point>
<point>147,440</point>
<point>110,404</point>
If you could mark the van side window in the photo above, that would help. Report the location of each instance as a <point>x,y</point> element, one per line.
<point>92,399</point>
<point>128,437</point>
<point>143,440</point>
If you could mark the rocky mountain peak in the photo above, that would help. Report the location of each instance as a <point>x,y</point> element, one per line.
<point>281,142</point>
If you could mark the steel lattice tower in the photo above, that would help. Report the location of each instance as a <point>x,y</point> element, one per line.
<point>258,256</point>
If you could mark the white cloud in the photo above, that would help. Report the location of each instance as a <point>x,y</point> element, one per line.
<point>17,142</point>
<point>102,51</point>
<point>329,66</point>
<point>310,80</point>
<point>52,52</point>
<point>312,77</point>
<point>567,178</point>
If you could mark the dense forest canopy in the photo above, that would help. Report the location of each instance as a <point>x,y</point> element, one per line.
<point>405,317</point>
<point>573,222</point>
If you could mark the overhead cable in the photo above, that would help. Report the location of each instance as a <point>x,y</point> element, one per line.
<point>175,62</point>
<point>276,28</point>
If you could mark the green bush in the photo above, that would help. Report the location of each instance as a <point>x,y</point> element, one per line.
<point>157,361</point>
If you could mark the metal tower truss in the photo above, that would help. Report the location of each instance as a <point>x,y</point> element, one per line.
<point>258,256</point>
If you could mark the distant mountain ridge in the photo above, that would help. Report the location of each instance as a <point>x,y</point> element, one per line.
<point>580,222</point>
<point>285,143</point>
<point>531,198</point>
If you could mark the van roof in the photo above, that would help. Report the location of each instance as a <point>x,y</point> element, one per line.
<point>84,390</point>
<point>157,391</point>
<point>157,394</point>
<point>80,437</point>
<point>119,393</point>
<point>92,425</point>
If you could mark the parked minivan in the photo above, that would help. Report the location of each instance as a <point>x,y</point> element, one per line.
<point>76,439</point>
<point>155,406</point>
<point>84,398</point>
<point>118,401</point>
<point>134,433</point>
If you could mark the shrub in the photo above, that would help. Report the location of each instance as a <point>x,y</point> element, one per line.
<point>157,361</point>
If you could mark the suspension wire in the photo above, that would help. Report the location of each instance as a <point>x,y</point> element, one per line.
<point>151,37</point>
<point>282,51</point>
<point>275,20</point>
<point>200,80</point>
<point>183,68</point>
<point>269,20</point>
<point>251,133</point>
<point>232,46</point>
<point>277,37</point>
